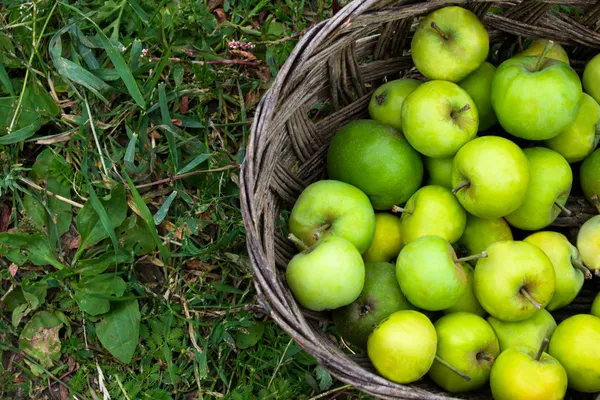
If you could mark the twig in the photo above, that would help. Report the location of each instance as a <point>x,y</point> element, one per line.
<point>217,62</point>
<point>337,389</point>
<point>279,363</point>
<point>187,175</point>
<point>56,196</point>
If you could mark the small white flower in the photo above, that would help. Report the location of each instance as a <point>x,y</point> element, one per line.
<point>144,52</point>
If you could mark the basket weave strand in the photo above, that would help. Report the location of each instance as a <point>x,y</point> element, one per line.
<point>326,82</point>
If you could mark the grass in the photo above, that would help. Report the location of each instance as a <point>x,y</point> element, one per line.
<point>123,268</point>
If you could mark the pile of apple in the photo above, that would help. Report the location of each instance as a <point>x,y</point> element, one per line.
<point>495,147</point>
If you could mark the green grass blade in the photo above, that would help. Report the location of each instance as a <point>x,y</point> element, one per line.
<point>104,219</point>
<point>5,79</point>
<point>166,120</point>
<point>148,219</point>
<point>199,159</point>
<point>19,135</point>
<point>164,209</point>
<point>76,73</point>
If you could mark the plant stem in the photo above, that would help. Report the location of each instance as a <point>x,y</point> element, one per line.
<point>456,371</point>
<point>455,113</point>
<point>461,186</point>
<point>563,209</point>
<point>528,296</point>
<point>298,242</point>
<point>596,202</point>
<point>578,265</point>
<point>439,30</point>
<point>483,254</point>
<point>397,209</point>
<point>541,349</point>
<point>543,55</point>
<point>49,193</point>
<point>320,230</point>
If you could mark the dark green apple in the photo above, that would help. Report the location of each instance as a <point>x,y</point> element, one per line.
<point>378,160</point>
<point>591,78</point>
<point>381,296</point>
<point>589,176</point>
<point>386,103</point>
<point>479,86</point>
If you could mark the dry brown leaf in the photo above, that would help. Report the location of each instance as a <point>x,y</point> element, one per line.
<point>212,4</point>
<point>184,104</point>
<point>176,122</point>
<point>221,17</point>
<point>4,219</point>
<point>244,54</point>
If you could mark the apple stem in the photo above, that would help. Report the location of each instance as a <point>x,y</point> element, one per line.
<point>439,30</point>
<point>461,186</point>
<point>380,98</point>
<point>483,254</point>
<point>541,349</point>
<point>320,230</point>
<point>455,113</point>
<point>563,209</point>
<point>596,202</point>
<point>453,368</point>
<point>528,296</point>
<point>298,242</point>
<point>543,55</point>
<point>481,356</point>
<point>397,209</point>
<point>578,265</point>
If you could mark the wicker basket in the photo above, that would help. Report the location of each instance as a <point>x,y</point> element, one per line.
<point>327,82</point>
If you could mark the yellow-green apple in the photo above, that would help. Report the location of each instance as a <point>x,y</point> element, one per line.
<point>535,98</point>
<point>479,86</point>
<point>328,275</point>
<point>568,266</point>
<point>381,296</point>
<point>523,373</point>
<point>588,244</point>
<point>514,281</point>
<point>548,191</point>
<point>589,176</point>
<point>480,233</point>
<point>386,102</point>
<point>332,207</point>
<point>591,77</point>
<point>387,242</point>
<point>429,273</point>
<point>536,48</point>
<point>432,211</point>
<point>438,118</point>
<point>439,171</point>
<point>490,176</point>
<point>449,44</point>
<point>528,333</point>
<point>467,302</point>
<point>581,137</point>
<point>596,306</point>
<point>467,347</point>
<point>575,345</point>
<point>378,160</point>
<point>403,346</point>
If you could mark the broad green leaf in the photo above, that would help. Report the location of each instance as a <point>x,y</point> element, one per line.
<point>133,236</point>
<point>21,134</point>
<point>247,339</point>
<point>93,294</point>
<point>14,299</point>
<point>76,73</point>
<point>19,313</point>
<point>39,339</point>
<point>36,212</point>
<point>119,330</point>
<point>148,219</point>
<point>95,266</point>
<point>199,159</point>
<point>5,80</point>
<point>7,47</point>
<point>37,99</point>
<point>23,247</point>
<point>324,377</point>
<point>8,106</point>
<point>35,294</point>
<point>162,212</point>
<point>89,225</point>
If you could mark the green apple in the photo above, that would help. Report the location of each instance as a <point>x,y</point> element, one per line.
<point>589,176</point>
<point>326,276</point>
<point>536,48</point>
<point>514,281</point>
<point>387,241</point>
<point>548,191</point>
<point>528,333</point>
<point>386,102</point>
<point>591,77</point>
<point>449,44</point>
<point>438,118</point>
<point>480,233</point>
<point>528,374</point>
<point>439,171</point>
<point>490,176</point>
<point>575,345</point>
<point>403,346</point>
<point>568,266</point>
<point>588,244</point>
<point>432,211</point>
<point>429,275</point>
<point>378,160</point>
<point>468,345</point>
<point>479,86</point>
<point>535,98</point>
<point>467,302</point>
<point>596,306</point>
<point>381,296</point>
<point>581,137</point>
<point>333,207</point>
